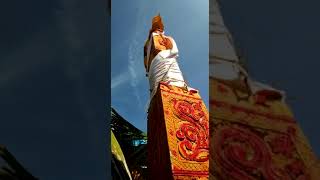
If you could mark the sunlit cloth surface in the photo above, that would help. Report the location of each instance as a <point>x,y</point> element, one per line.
<point>164,68</point>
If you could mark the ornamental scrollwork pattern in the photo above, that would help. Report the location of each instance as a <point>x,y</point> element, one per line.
<point>193,131</point>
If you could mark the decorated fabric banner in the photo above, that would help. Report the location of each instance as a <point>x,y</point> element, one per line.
<point>178,123</point>
<point>254,141</point>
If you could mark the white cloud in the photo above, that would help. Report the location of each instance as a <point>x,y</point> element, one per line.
<point>119,80</point>
<point>133,67</point>
<point>135,74</point>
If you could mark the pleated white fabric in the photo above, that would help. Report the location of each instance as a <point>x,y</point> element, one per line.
<point>164,68</point>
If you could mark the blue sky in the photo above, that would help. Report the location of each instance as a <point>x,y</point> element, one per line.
<point>184,20</point>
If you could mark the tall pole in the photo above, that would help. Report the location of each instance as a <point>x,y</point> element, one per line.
<point>178,125</point>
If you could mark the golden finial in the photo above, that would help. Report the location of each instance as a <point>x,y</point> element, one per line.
<point>157,23</point>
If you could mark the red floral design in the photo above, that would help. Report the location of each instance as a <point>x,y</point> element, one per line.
<point>282,144</point>
<point>242,154</point>
<point>297,170</point>
<point>174,152</point>
<point>291,131</point>
<point>171,132</point>
<point>193,132</point>
<point>261,100</point>
<point>166,112</point>
<point>222,89</point>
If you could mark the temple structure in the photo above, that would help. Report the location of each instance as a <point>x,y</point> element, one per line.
<point>253,133</point>
<point>178,125</point>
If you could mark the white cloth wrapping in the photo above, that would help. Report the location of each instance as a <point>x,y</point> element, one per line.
<point>164,67</point>
<point>224,70</point>
<point>166,70</point>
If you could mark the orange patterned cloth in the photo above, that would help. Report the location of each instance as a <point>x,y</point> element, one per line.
<point>256,141</point>
<point>186,136</point>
